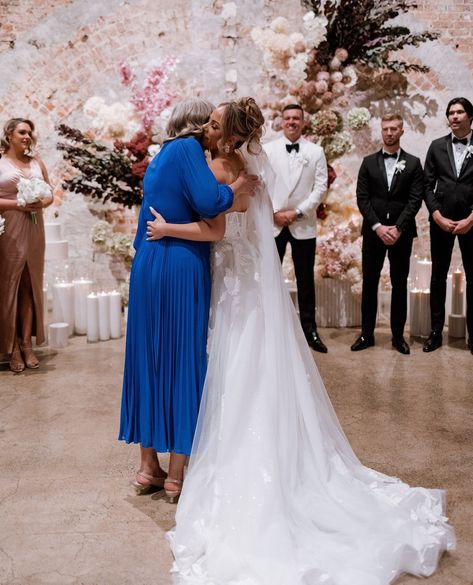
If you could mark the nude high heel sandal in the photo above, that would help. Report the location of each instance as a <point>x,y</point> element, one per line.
<point>17,365</point>
<point>31,360</point>
<point>151,482</point>
<point>173,494</point>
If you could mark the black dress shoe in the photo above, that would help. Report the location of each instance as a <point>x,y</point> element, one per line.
<point>434,341</point>
<point>401,345</point>
<point>315,342</point>
<point>363,342</point>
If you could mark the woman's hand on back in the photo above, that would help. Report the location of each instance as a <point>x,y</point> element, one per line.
<point>156,229</point>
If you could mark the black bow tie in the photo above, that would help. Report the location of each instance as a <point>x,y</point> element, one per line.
<point>456,140</point>
<point>294,146</point>
<point>388,155</point>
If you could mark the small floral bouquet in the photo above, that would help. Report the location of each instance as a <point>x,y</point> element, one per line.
<point>31,191</point>
<point>2,225</point>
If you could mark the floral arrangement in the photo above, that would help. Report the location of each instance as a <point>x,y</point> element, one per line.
<point>125,290</point>
<point>2,224</point>
<point>102,172</point>
<point>340,46</point>
<point>339,255</point>
<point>108,161</point>
<point>154,97</point>
<point>31,191</point>
<point>117,244</point>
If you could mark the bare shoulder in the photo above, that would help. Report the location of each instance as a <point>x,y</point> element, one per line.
<point>226,170</point>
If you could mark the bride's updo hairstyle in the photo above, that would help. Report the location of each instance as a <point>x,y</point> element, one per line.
<point>10,127</point>
<point>244,119</point>
<point>188,117</point>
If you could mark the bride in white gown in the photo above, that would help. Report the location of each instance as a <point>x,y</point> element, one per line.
<point>274,494</point>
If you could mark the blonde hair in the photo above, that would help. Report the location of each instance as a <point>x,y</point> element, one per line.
<point>10,127</point>
<point>243,119</point>
<point>392,117</point>
<point>188,117</point>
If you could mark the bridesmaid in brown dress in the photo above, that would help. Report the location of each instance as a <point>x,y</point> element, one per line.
<point>21,248</point>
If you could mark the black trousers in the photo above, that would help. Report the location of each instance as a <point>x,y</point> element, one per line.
<point>441,246</point>
<point>303,256</point>
<point>373,255</point>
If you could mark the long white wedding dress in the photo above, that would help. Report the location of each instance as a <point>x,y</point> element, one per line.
<point>274,494</point>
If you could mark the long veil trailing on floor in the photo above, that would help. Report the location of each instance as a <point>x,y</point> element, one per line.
<point>274,494</point>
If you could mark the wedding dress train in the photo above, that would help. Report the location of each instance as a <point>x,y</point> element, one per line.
<point>274,494</point>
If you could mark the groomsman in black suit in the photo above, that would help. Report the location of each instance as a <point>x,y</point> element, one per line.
<point>389,193</point>
<point>449,198</point>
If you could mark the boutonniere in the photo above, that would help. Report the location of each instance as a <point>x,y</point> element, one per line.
<point>399,166</point>
<point>469,151</point>
<point>304,161</point>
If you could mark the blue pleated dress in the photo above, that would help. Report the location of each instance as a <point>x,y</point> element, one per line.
<point>165,356</point>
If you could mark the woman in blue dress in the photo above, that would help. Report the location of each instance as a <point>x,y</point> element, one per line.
<point>165,357</point>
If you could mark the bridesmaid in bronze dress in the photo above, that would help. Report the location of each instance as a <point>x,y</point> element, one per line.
<point>21,248</point>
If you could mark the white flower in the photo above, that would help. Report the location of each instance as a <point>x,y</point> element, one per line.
<point>358,118</point>
<point>308,16</point>
<point>122,244</point>
<point>349,73</point>
<point>469,151</point>
<point>101,234</point>
<point>399,166</point>
<point>32,190</point>
<point>111,121</point>
<point>316,29</point>
<point>2,225</point>
<point>304,161</point>
<point>153,149</point>
<point>280,25</point>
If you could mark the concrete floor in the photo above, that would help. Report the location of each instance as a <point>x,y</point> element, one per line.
<point>68,516</point>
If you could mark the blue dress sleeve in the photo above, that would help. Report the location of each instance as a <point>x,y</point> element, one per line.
<point>201,189</point>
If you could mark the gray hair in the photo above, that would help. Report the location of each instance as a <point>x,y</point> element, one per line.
<point>188,117</point>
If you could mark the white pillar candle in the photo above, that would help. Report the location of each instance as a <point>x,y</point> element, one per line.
<point>414,312</point>
<point>457,293</point>
<point>92,318</point>
<point>58,335</point>
<point>82,288</point>
<point>448,296</point>
<point>115,314</point>
<point>424,313</point>
<point>45,313</point>
<point>456,326</point>
<point>104,316</point>
<point>419,313</point>
<point>63,304</point>
<point>424,269</point>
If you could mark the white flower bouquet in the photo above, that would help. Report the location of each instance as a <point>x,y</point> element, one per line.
<point>31,191</point>
<point>2,225</point>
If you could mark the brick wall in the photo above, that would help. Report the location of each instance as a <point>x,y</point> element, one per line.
<point>55,54</point>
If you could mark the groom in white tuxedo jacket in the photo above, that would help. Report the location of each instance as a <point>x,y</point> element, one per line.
<point>301,171</point>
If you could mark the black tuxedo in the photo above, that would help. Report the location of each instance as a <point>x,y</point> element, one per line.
<point>453,197</point>
<point>397,205</point>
